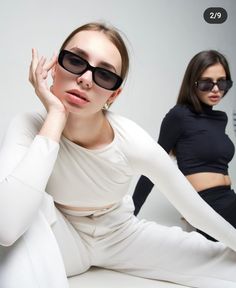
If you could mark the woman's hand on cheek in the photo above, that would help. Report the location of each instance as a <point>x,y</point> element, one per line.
<point>38,75</point>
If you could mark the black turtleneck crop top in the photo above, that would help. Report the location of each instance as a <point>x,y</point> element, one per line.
<point>198,139</point>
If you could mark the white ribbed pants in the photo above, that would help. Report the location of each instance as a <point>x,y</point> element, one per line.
<point>118,240</point>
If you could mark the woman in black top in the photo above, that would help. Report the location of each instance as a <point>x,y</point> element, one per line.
<point>195,134</point>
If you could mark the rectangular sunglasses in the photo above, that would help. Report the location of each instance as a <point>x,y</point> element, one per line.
<point>207,85</point>
<point>77,65</point>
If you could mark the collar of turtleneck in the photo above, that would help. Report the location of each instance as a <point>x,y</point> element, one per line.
<point>206,108</point>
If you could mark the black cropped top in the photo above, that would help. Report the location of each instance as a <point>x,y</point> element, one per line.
<point>198,140</point>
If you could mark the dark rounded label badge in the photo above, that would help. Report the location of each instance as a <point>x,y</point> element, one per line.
<point>215,15</point>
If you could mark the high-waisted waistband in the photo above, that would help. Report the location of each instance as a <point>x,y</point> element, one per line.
<point>215,189</point>
<point>219,197</point>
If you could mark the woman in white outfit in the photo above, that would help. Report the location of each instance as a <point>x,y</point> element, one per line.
<point>83,157</point>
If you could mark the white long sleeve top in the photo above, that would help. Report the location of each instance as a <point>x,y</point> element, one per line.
<point>80,177</point>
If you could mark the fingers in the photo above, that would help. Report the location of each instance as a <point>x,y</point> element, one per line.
<point>41,72</point>
<point>51,62</point>
<point>47,65</point>
<point>33,65</point>
<point>39,68</point>
<point>35,58</point>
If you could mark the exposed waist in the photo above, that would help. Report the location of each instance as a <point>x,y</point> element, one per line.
<point>204,180</point>
<point>84,209</point>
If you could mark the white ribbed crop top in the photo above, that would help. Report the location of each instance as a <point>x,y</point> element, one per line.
<point>75,176</point>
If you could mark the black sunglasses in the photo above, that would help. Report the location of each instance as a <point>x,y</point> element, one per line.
<point>75,64</point>
<point>207,85</point>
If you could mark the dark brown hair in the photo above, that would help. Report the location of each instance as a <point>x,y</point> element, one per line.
<point>198,64</point>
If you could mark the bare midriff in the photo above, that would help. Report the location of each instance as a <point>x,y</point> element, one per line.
<point>205,180</point>
<point>73,208</point>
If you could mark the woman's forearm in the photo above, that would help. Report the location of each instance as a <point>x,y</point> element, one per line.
<point>21,190</point>
<point>53,125</point>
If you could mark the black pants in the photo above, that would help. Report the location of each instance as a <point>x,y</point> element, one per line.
<point>223,200</point>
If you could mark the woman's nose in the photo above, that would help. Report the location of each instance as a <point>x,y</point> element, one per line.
<point>86,79</point>
<point>215,87</point>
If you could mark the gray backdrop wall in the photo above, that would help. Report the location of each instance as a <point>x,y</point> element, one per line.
<point>162,36</point>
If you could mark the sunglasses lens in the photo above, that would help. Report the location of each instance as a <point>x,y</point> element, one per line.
<point>72,62</point>
<point>106,79</point>
<point>204,85</point>
<point>224,84</point>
